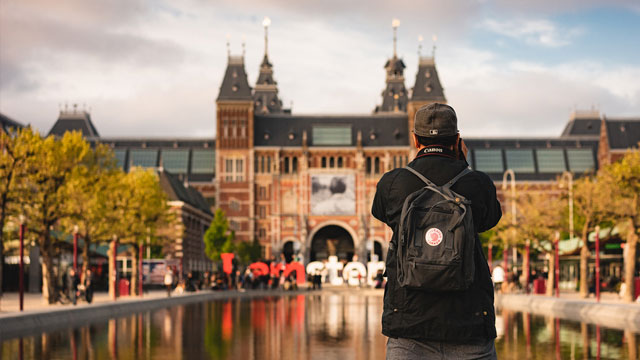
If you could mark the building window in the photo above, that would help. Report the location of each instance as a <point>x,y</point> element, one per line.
<point>234,205</point>
<point>331,135</point>
<point>262,212</point>
<point>234,173</point>
<point>324,162</point>
<point>262,233</point>
<point>340,164</point>
<point>489,160</point>
<point>368,165</point>
<point>234,225</point>
<point>376,169</point>
<point>203,161</point>
<point>294,165</point>
<point>262,193</point>
<point>144,158</point>
<point>175,161</point>
<point>332,162</point>
<point>268,164</point>
<point>286,165</point>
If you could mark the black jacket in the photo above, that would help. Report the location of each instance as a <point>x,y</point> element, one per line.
<point>456,316</point>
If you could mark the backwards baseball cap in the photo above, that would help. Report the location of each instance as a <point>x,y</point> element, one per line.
<point>435,120</point>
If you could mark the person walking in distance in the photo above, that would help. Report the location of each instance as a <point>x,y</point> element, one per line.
<point>168,281</point>
<point>438,302</point>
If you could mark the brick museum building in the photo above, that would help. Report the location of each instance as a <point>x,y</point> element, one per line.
<point>304,184</point>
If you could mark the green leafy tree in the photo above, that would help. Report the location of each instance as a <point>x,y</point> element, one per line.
<point>622,183</point>
<point>13,156</point>
<point>249,252</point>
<point>589,201</point>
<point>148,211</point>
<point>540,217</point>
<point>50,169</point>
<point>85,201</point>
<point>218,238</point>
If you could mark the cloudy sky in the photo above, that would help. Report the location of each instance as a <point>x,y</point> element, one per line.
<point>153,68</point>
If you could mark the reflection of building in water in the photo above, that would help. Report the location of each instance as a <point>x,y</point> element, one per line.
<point>265,162</point>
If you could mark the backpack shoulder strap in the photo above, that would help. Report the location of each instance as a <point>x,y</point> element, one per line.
<point>455,179</point>
<point>421,177</point>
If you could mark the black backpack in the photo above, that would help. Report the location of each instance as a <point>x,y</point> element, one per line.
<point>436,238</point>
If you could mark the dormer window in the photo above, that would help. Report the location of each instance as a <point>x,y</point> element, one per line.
<point>292,136</point>
<point>373,136</point>
<point>427,74</point>
<point>234,88</point>
<point>266,136</point>
<point>427,88</point>
<point>235,74</point>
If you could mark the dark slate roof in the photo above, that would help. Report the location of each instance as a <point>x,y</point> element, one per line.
<point>623,133</point>
<point>8,124</point>
<point>394,87</point>
<point>504,144</point>
<point>377,130</point>
<point>176,191</point>
<point>427,86</point>
<point>266,91</point>
<point>585,124</point>
<point>235,85</point>
<point>175,143</point>
<point>74,120</point>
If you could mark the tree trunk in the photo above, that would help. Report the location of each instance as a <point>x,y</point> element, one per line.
<point>552,274</point>
<point>584,262</point>
<point>134,271</point>
<point>85,255</point>
<point>49,287</point>
<point>630,262</point>
<point>112,270</point>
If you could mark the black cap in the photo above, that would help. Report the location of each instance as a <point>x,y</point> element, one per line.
<point>435,120</point>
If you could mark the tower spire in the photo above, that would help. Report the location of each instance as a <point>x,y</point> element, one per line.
<point>433,51</point>
<point>228,45</point>
<point>394,24</point>
<point>266,23</point>
<point>420,38</point>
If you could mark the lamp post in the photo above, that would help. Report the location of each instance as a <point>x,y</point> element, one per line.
<point>75,248</point>
<point>598,263</point>
<point>21,268</point>
<point>510,173</point>
<point>527,269</point>
<point>569,177</point>
<point>557,264</point>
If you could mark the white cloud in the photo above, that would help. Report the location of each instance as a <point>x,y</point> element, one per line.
<point>533,31</point>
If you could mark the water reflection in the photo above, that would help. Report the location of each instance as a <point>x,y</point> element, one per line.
<point>526,336</point>
<point>317,326</point>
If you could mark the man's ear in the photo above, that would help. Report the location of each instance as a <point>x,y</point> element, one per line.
<point>416,144</point>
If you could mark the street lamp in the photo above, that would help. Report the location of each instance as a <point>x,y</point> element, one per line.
<point>75,248</point>
<point>21,268</point>
<point>510,173</point>
<point>569,177</point>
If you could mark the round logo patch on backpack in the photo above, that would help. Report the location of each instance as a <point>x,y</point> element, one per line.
<point>433,237</point>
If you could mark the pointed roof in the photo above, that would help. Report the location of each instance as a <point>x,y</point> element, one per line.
<point>427,86</point>
<point>583,123</point>
<point>74,120</point>
<point>394,96</point>
<point>8,125</point>
<point>265,96</point>
<point>178,191</point>
<point>235,85</point>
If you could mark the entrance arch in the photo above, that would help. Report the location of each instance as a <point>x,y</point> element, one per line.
<point>290,249</point>
<point>331,239</point>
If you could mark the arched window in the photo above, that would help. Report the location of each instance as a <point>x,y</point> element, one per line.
<point>340,164</point>
<point>294,165</point>
<point>332,162</point>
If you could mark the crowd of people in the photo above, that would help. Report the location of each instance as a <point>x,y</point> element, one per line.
<point>78,287</point>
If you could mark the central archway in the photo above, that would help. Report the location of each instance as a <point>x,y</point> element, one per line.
<point>332,240</point>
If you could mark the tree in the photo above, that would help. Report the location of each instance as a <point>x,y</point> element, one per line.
<point>85,202</point>
<point>147,211</point>
<point>13,156</point>
<point>218,238</point>
<point>622,183</point>
<point>249,252</point>
<point>589,201</point>
<point>50,168</point>
<point>540,218</point>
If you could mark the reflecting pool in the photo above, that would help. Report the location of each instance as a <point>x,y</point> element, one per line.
<point>329,325</point>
